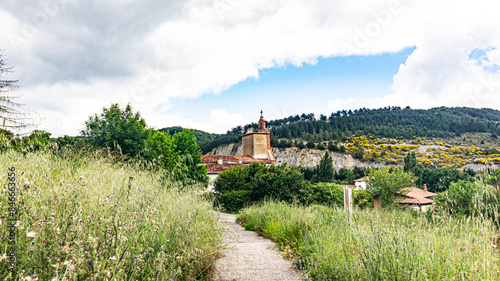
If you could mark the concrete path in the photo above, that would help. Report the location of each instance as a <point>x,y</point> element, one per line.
<point>251,257</point>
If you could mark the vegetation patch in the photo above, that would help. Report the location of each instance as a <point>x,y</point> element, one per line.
<point>377,245</point>
<point>84,217</point>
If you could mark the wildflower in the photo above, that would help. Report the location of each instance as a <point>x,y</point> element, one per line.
<point>31,234</point>
<point>66,249</point>
<point>3,257</point>
<point>107,272</point>
<point>18,223</point>
<point>113,258</point>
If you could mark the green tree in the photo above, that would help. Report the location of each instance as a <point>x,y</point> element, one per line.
<point>459,198</point>
<point>323,194</point>
<point>410,162</point>
<point>160,148</point>
<point>278,182</point>
<point>387,184</point>
<point>190,153</point>
<point>325,171</point>
<point>117,128</point>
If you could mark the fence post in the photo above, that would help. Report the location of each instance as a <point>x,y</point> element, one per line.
<point>348,201</point>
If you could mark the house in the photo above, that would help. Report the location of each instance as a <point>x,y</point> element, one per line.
<point>417,198</point>
<point>256,148</point>
<point>360,184</point>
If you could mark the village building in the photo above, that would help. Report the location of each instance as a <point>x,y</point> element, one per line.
<point>360,184</point>
<point>417,198</point>
<point>256,148</point>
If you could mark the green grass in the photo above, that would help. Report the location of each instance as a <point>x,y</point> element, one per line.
<point>83,217</point>
<point>377,245</point>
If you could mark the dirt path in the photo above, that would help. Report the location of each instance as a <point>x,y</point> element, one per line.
<point>251,257</point>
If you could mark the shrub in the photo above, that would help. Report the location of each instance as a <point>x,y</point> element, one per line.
<point>323,194</point>
<point>363,198</point>
<point>234,200</point>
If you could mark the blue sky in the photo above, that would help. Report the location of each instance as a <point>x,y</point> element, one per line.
<point>294,89</point>
<point>214,64</point>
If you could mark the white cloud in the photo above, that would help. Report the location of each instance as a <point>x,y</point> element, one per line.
<point>77,57</point>
<point>220,120</point>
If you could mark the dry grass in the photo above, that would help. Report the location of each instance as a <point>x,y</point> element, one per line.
<point>83,217</point>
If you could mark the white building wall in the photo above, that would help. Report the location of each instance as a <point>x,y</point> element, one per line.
<point>359,185</point>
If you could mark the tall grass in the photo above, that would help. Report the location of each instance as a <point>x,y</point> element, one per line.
<point>378,245</point>
<point>86,217</point>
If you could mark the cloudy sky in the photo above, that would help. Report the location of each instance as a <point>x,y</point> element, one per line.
<point>214,64</point>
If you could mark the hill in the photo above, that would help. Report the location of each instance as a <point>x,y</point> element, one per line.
<point>389,122</point>
<point>201,136</point>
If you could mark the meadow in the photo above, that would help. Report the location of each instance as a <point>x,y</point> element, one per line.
<point>377,244</point>
<point>85,216</point>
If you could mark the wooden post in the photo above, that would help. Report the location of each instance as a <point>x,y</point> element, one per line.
<point>348,201</point>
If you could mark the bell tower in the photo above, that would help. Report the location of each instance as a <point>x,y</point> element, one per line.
<point>258,144</point>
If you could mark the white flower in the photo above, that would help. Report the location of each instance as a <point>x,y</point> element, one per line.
<point>3,257</point>
<point>113,258</point>
<point>68,263</point>
<point>122,238</point>
<point>31,234</point>
<point>0,222</point>
<point>17,224</point>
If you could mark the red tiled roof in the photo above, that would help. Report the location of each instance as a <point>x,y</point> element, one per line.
<point>227,158</point>
<point>414,192</point>
<point>216,168</point>
<point>229,161</point>
<point>417,201</point>
<point>417,196</point>
<point>362,179</point>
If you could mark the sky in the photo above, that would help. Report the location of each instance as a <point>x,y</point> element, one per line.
<point>215,64</point>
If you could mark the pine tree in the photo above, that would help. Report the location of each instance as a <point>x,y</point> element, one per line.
<point>10,116</point>
<point>325,169</point>
<point>410,162</point>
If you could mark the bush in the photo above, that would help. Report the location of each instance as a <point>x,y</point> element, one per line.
<point>323,194</point>
<point>277,182</point>
<point>234,200</point>
<point>363,198</point>
<point>310,144</point>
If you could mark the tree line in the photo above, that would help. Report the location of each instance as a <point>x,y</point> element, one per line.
<point>388,122</point>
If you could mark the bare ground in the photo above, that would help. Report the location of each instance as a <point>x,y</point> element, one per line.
<point>251,257</point>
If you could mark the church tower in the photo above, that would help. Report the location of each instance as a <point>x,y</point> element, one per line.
<point>258,144</point>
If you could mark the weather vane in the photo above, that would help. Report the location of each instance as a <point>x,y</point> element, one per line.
<point>261,113</point>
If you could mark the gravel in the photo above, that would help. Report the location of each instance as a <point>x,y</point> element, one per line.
<point>251,257</point>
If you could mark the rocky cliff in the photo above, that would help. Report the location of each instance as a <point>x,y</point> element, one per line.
<point>308,157</point>
<point>294,156</point>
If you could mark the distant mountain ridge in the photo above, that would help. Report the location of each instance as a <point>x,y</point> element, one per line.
<point>387,122</point>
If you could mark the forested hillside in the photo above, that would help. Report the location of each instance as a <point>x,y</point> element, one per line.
<point>201,136</point>
<point>388,122</point>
